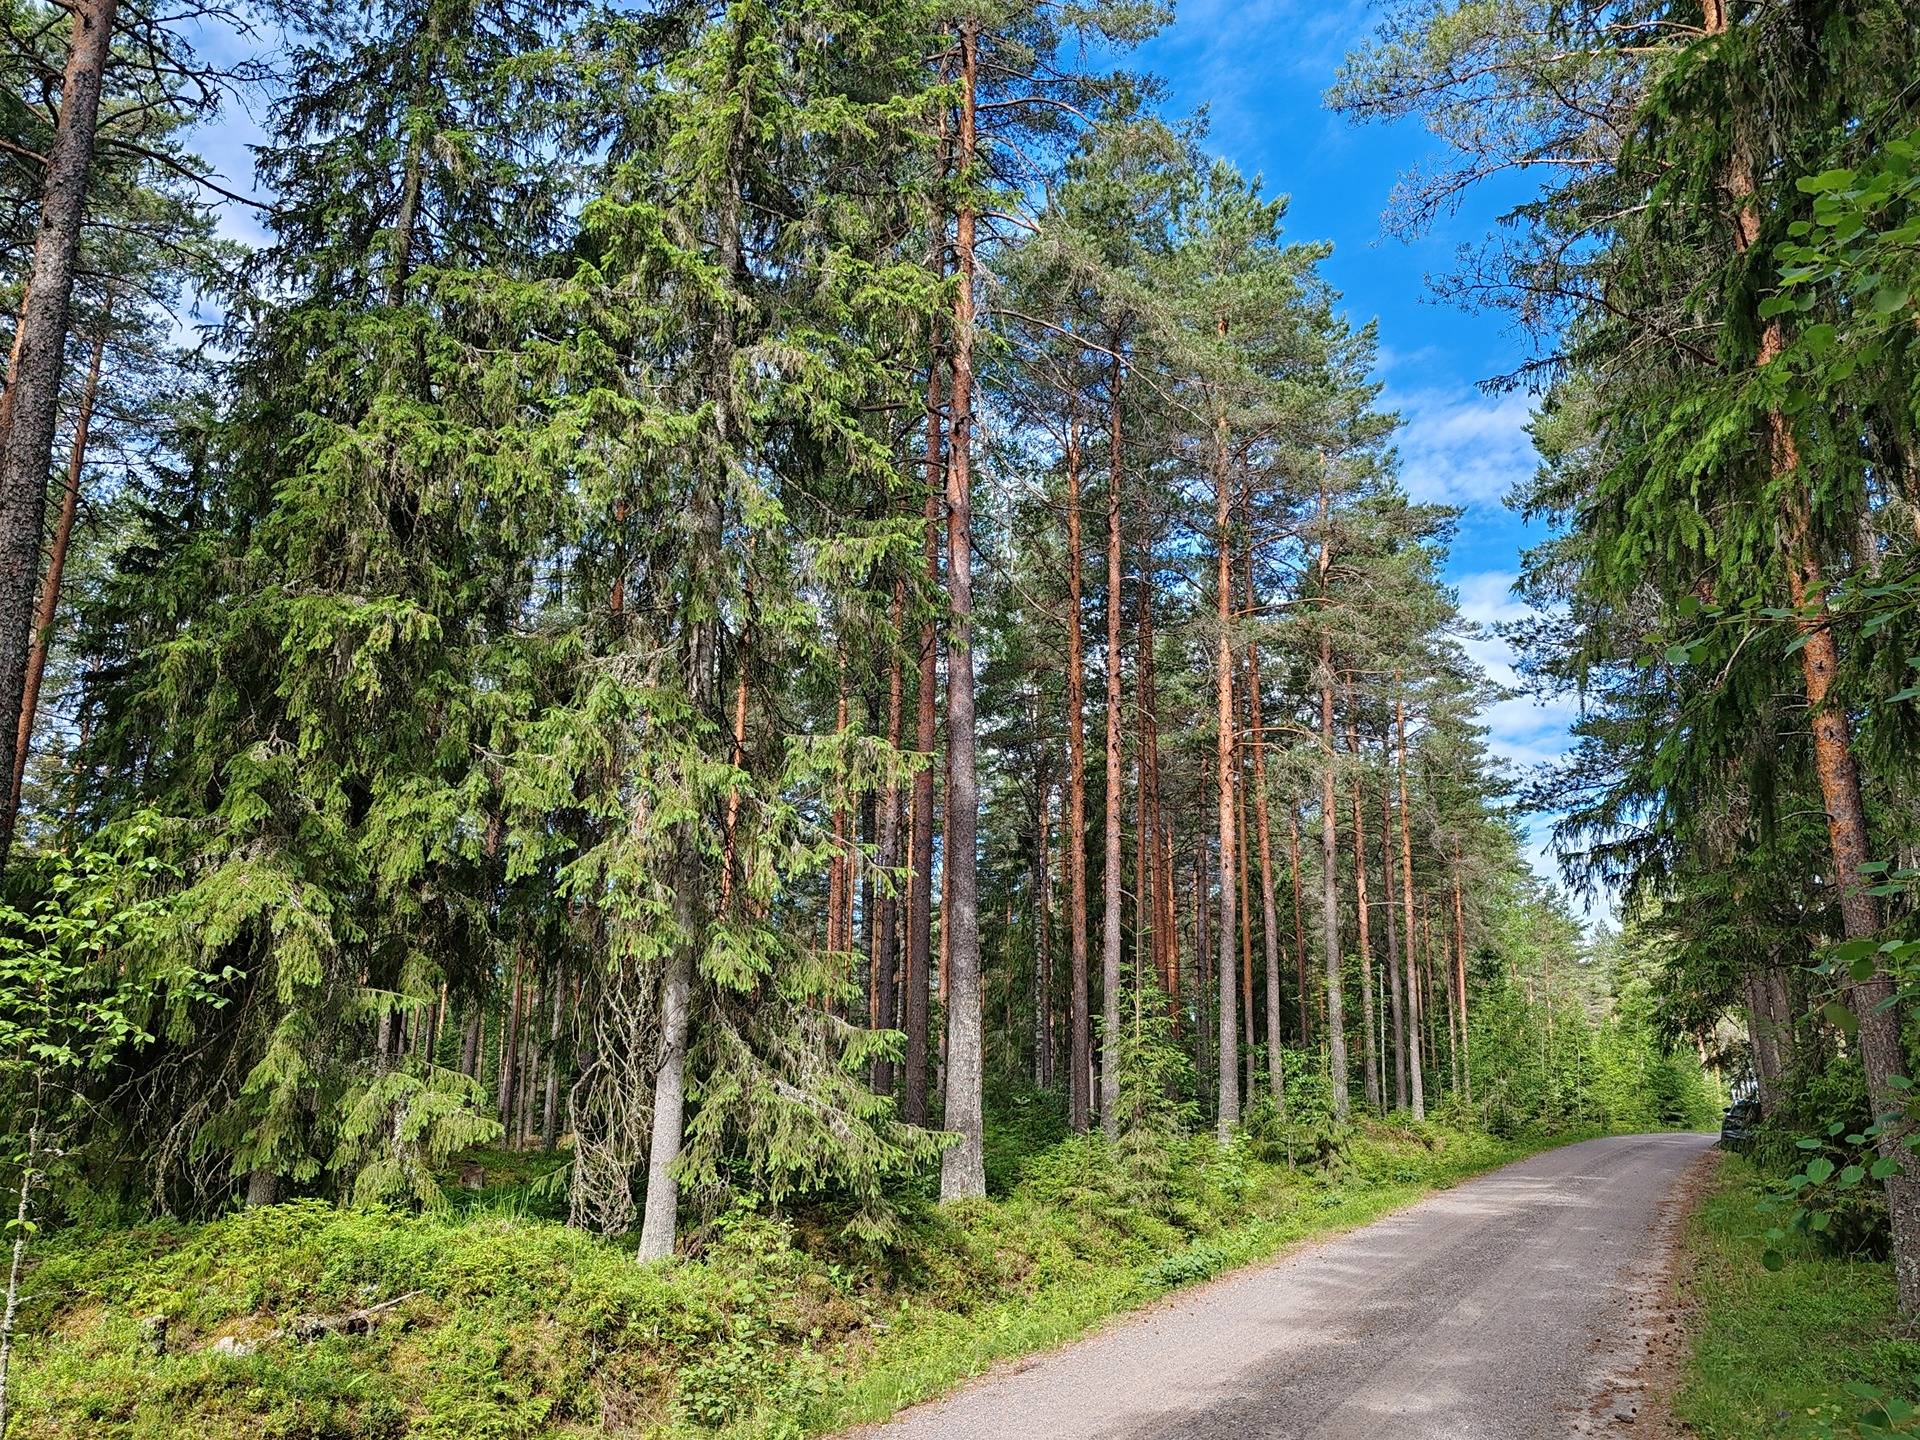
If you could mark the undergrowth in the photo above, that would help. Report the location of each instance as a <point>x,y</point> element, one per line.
<point>510,1326</point>
<point>1808,1350</point>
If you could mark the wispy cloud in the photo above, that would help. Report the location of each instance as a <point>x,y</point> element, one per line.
<point>1459,447</point>
<point>1234,51</point>
<point>1524,731</point>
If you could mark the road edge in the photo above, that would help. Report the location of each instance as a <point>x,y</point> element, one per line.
<point>1638,1370</point>
<point>852,1428</point>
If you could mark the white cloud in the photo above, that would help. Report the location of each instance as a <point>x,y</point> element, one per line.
<point>1229,53</point>
<point>1524,731</point>
<point>1459,447</point>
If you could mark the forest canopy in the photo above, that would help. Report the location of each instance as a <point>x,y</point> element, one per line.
<point>726,589</point>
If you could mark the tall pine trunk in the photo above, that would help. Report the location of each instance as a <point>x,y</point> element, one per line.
<point>1043,928</point>
<point>1415,1083</point>
<point>550,1099</point>
<point>1370,1055</point>
<point>1111,851</point>
<point>1394,986</point>
<point>1872,1001</point>
<point>1229,1070</point>
<point>887,904</point>
<point>839,871</point>
<point>1299,927</point>
<point>1270,924</point>
<point>1329,888</point>
<point>1202,967</point>
<point>50,583</point>
<point>963,1165</point>
<point>33,399</point>
<point>917,970</point>
<point>1079,1016</point>
<point>1460,988</point>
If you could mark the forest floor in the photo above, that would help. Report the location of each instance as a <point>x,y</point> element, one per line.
<point>495,1322</point>
<point>1809,1350</point>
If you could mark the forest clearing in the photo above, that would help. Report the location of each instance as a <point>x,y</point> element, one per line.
<point>725,712</point>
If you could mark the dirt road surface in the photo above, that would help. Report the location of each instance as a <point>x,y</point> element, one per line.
<point>1512,1307</point>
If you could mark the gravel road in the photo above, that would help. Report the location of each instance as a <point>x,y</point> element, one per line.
<point>1508,1308</point>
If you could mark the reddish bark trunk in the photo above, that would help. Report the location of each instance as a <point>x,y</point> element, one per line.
<point>1115,796</point>
<point>1361,920</point>
<point>1415,1081</point>
<point>1229,1077</point>
<point>34,397</point>
<point>1873,1001</point>
<point>1393,947</point>
<point>1079,1016</point>
<point>50,582</point>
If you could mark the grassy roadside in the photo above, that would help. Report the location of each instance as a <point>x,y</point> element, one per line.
<point>1773,1353</point>
<point>515,1328</point>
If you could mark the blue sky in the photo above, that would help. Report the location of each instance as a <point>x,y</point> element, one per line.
<point>1260,69</point>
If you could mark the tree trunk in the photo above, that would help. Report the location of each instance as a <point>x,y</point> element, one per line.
<point>1873,1000</point>
<point>737,746</point>
<point>1043,932</point>
<point>700,660</point>
<point>470,1043</point>
<point>1460,988</point>
<point>1202,980</point>
<point>550,1100</point>
<point>1414,1081</point>
<point>1229,1071</point>
<point>887,921</point>
<point>13,364</point>
<point>917,969</point>
<point>1270,925</point>
<point>837,868</point>
<point>532,1057</point>
<point>1079,1004</point>
<point>1329,889</point>
<point>962,1166</point>
<point>1760,1035</point>
<point>1393,949</point>
<point>1370,1056</point>
<point>509,1041</point>
<point>661,1218</point>
<point>1299,927</point>
<point>34,397</point>
<point>50,583</point>
<point>1110,869</point>
<point>1244,911</point>
<point>1783,1010</point>
<point>22,1231</point>
<point>1170,921</point>
<point>1157,901</point>
<point>1145,942</point>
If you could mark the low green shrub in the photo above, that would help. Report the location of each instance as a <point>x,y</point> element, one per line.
<point>496,1324</point>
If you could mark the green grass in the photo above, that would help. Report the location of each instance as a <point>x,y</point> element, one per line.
<point>1774,1352</point>
<point>517,1328</point>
